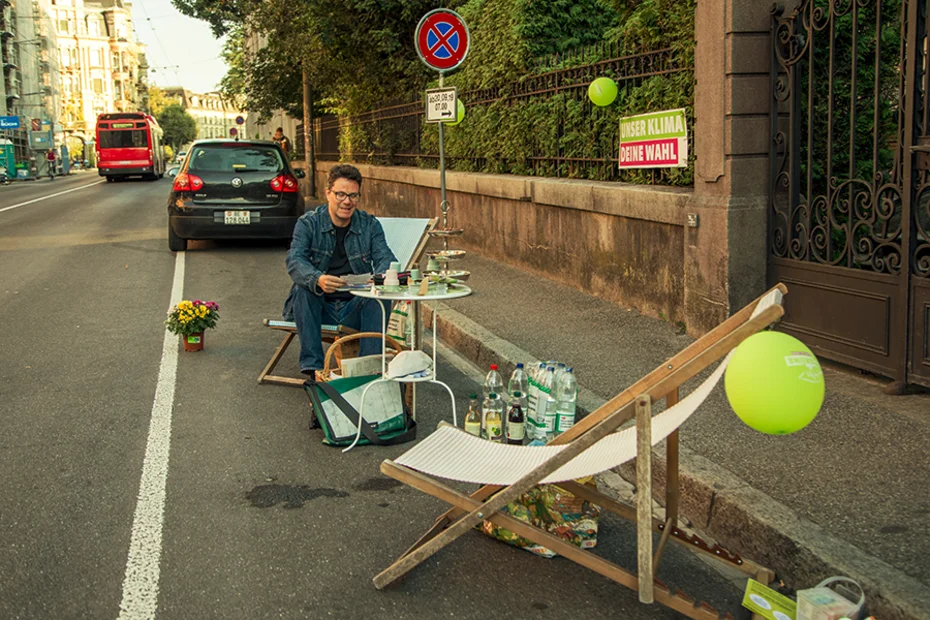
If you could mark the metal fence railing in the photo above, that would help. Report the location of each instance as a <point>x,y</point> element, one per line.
<point>541,124</point>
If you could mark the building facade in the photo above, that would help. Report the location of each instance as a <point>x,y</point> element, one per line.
<point>102,66</point>
<point>29,89</point>
<point>213,114</point>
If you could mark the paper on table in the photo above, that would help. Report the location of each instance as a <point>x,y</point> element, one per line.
<point>355,281</point>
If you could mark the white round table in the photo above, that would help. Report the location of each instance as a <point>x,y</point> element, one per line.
<point>453,292</point>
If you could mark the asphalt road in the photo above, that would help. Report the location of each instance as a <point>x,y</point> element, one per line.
<point>257,519</point>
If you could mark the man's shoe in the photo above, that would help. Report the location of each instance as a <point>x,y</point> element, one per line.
<point>316,376</point>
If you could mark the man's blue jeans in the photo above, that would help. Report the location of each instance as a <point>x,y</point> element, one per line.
<point>312,311</point>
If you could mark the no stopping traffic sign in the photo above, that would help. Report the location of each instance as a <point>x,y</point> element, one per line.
<point>442,39</point>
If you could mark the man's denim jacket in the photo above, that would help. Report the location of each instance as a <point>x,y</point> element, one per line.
<point>315,239</point>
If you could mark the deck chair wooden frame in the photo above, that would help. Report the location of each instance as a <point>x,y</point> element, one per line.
<point>636,402</point>
<point>329,335</point>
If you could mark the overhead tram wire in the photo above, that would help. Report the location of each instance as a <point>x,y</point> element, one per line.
<point>158,40</point>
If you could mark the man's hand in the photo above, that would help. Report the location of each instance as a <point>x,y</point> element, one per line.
<point>329,284</point>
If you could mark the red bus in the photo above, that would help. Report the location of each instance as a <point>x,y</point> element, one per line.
<point>129,144</point>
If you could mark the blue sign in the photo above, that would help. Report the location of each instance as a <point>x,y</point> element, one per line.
<point>239,120</point>
<point>9,122</point>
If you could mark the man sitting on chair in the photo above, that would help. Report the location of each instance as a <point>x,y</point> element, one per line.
<point>334,240</point>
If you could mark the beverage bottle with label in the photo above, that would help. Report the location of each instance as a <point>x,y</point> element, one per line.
<point>473,416</point>
<point>516,422</point>
<point>550,417</point>
<point>533,399</point>
<point>567,401</point>
<point>542,414</point>
<point>493,382</point>
<point>493,417</point>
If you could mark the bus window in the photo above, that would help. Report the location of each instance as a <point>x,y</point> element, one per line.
<point>122,139</point>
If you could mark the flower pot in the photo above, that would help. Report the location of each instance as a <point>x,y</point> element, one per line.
<point>193,342</point>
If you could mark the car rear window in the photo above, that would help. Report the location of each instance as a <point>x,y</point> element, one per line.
<point>219,158</point>
<point>123,138</point>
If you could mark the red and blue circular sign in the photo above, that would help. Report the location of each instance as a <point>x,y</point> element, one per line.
<point>442,39</point>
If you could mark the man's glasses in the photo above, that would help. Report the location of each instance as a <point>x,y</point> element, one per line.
<point>353,197</point>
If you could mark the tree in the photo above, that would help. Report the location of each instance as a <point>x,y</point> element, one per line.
<point>179,126</point>
<point>157,100</point>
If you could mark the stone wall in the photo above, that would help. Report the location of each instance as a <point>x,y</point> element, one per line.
<point>624,243</point>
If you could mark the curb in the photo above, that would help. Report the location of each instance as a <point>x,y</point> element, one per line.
<point>721,505</point>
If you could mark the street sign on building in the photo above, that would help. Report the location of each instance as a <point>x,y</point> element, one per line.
<point>441,105</point>
<point>240,120</point>
<point>654,140</point>
<point>9,122</point>
<point>442,40</point>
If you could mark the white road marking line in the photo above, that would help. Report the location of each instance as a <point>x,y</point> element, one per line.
<point>67,191</point>
<point>143,566</point>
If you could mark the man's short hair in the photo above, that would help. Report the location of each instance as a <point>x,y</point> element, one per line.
<point>281,129</point>
<point>344,171</point>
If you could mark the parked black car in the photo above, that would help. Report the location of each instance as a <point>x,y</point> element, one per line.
<point>234,190</point>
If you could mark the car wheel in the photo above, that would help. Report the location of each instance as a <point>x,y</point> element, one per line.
<point>110,179</point>
<point>175,243</point>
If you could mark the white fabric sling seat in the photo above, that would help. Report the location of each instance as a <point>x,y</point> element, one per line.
<point>453,454</point>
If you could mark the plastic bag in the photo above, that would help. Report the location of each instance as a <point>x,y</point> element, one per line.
<point>554,510</point>
<point>397,325</point>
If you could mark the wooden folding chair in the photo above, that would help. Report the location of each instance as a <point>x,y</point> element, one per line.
<point>407,238</point>
<point>587,447</point>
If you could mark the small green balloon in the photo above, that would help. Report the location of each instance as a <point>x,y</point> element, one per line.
<point>459,113</point>
<point>774,383</point>
<point>602,91</point>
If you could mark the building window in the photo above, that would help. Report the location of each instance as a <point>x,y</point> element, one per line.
<point>97,85</point>
<point>96,58</point>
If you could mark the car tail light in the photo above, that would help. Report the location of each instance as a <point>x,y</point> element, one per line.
<point>286,183</point>
<point>187,183</point>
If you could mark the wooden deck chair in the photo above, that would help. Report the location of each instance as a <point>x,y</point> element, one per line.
<point>591,446</point>
<point>407,237</point>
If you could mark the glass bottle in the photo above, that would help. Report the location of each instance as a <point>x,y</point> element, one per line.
<point>473,416</point>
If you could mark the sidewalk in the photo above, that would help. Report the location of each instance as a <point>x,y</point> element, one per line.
<point>847,495</point>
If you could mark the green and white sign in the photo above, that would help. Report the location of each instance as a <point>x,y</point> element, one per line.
<point>654,140</point>
<point>768,603</point>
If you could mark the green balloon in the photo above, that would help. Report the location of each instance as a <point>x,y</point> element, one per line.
<point>459,113</point>
<point>602,91</point>
<point>774,383</point>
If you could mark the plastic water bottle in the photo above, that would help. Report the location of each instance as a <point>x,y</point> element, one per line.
<point>532,399</point>
<point>493,382</point>
<point>550,417</point>
<point>542,404</point>
<point>519,382</point>
<point>566,403</point>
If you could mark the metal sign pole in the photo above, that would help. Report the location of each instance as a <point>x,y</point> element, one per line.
<point>444,205</point>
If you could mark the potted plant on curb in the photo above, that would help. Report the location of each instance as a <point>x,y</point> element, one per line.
<point>190,319</point>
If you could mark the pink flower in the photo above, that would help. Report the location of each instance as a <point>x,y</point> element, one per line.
<point>197,302</point>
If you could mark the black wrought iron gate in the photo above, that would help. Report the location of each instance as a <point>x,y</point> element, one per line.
<point>849,227</point>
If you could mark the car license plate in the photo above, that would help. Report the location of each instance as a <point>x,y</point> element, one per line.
<point>238,217</point>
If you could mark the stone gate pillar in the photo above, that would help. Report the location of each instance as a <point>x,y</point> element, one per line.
<point>725,255</point>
